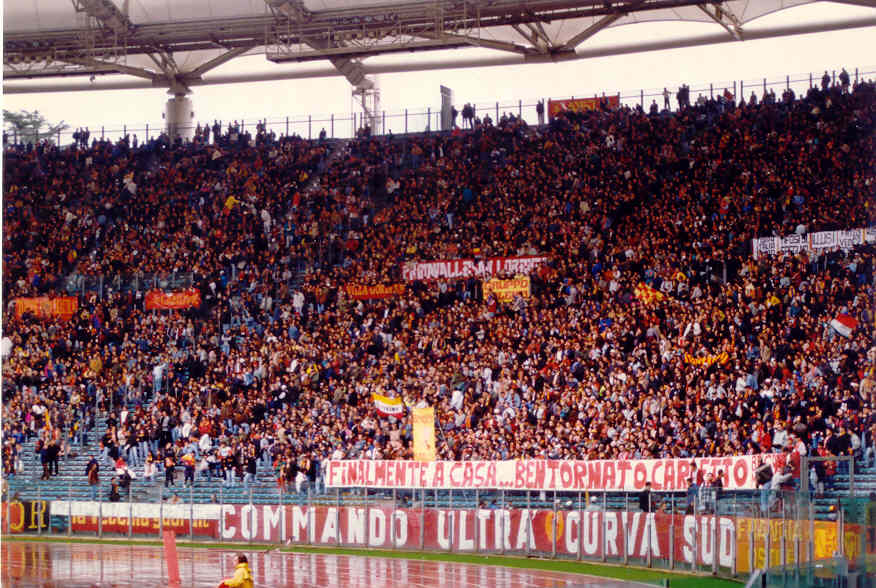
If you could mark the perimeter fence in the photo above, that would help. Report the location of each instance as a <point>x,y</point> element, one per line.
<point>729,533</point>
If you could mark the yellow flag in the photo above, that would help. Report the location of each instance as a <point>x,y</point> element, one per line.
<point>424,434</point>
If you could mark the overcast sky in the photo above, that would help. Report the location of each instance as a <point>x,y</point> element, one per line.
<point>720,64</point>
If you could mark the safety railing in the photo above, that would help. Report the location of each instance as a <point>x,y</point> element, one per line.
<point>709,531</point>
<point>428,118</point>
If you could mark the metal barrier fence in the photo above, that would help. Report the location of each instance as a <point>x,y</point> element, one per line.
<point>420,119</point>
<point>730,534</point>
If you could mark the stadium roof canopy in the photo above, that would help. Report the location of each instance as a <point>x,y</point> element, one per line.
<point>174,43</point>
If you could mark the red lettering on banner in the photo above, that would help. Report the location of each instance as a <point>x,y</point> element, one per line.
<point>467,475</point>
<point>669,475</point>
<point>580,474</point>
<point>726,464</point>
<point>565,474</point>
<point>439,474</point>
<point>608,475</point>
<point>552,465</point>
<point>379,469</point>
<point>390,475</point>
<point>456,474</point>
<point>542,474</point>
<point>623,466</point>
<point>520,474</point>
<point>478,474</point>
<point>490,482</point>
<point>655,483</point>
<point>740,472</point>
<point>682,475</point>
<point>640,475</point>
<point>540,470</point>
<point>595,475</point>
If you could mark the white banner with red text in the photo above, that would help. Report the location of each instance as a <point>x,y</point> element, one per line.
<point>737,473</point>
<point>467,268</point>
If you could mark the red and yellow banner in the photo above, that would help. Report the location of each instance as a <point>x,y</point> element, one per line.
<point>707,360</point>
<point>647,294</point>
<point>555,107</point>
<point>504,290</point>
<point>158,300</point>
<point>362,292</point>
<point>424,434</point>
<point>45,307</point>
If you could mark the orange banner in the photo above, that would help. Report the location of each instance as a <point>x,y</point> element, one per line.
<point>424,434</point>
<point>555,107</point>
<point>504,290</point>
<point>158,300</point>
<point>797,535</point>
<point>45,307</point>
<point>360,292</point>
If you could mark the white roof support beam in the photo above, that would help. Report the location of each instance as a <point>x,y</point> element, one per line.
<point>217,61</point>
<point>107,14</point>
<point>481,42</point>
<point>110,67</point>
<point>599,25</point>
<point>530,36</point>
<point>13,87</point>
<point>724,17</point>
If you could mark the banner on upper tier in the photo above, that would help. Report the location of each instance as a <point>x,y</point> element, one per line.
<point>505,290</point>
<point>44,307</point>
<point>465,268</point>
<point>812,242</point>
<point>707,360</point>
<point>555,107</point>
<point>738,473</point>
<point>158,300</point>
<point>362,292</point>
<point>424,433</point>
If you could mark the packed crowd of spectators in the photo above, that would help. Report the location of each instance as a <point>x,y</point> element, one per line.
<point>276,368</point>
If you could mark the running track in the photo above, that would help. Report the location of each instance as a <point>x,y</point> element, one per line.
<point>51,565</point>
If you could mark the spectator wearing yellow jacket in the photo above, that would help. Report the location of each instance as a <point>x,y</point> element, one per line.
<point>242,575</point>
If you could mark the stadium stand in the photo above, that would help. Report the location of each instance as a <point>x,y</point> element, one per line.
<point>651,331</point>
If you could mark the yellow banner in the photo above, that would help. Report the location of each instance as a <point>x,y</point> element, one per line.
<point>424,434</point>
<point>796,542</point>
<point>505,290</point>
<point>707,360</point>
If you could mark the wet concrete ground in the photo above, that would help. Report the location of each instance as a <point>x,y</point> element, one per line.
<point>50,565</point>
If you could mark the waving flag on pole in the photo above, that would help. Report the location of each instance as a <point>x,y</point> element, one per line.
<point>844,324</point>
<point>647,294</point>
<point>388,407</point>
